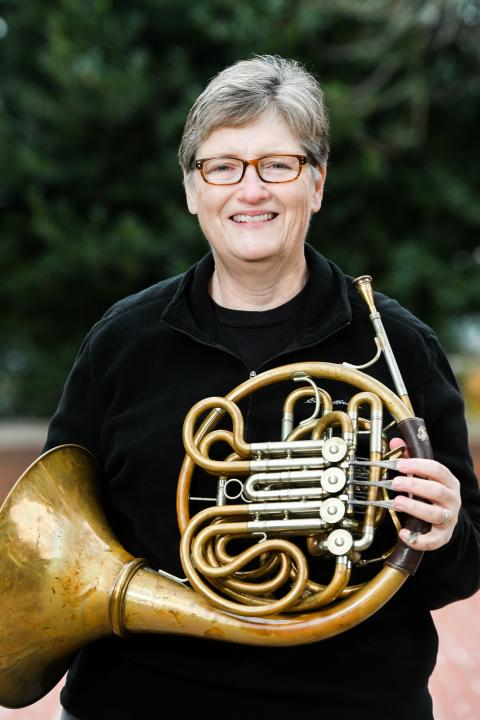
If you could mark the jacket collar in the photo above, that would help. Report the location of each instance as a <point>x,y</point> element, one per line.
<point>326,309</point>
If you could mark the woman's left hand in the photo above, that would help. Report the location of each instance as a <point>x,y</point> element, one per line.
<point>430,481</point>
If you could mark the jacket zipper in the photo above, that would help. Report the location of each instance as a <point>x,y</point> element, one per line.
<point>251,372</point>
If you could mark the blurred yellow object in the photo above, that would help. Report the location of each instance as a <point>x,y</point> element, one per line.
<point>472,388</point>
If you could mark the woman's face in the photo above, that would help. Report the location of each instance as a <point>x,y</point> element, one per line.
<point>226,213</point>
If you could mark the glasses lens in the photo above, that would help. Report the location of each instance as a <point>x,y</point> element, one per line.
<point>222,170</point>
<point>280,168</point>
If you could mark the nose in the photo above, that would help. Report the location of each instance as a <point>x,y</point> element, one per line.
<point>252,188</point>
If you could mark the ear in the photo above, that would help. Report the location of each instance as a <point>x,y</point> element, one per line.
<point>319,184</point>
<point>190,192</point>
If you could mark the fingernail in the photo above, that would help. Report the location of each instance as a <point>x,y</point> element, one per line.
<point>409,536</point>
<point>398,483</point>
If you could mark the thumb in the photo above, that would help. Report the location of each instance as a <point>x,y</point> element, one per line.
<point>396,443</point>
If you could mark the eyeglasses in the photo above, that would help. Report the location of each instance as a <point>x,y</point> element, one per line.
<point>270,169</point>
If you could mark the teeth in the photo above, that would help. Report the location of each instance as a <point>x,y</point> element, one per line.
<point>253,218</point>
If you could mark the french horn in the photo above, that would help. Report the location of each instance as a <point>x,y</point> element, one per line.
<point>66,581</point>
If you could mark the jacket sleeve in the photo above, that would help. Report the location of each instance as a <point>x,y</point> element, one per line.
<point>76,418</point>
<point>452,572</point>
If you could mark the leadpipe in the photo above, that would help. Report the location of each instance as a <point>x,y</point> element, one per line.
<point>364,286</point>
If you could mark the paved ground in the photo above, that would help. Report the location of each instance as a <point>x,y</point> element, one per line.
<point>455,684</point>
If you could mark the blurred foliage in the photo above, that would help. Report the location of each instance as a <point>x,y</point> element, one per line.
<point>93,97</point>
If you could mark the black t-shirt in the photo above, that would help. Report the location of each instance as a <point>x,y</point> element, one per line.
<point>254,335</point>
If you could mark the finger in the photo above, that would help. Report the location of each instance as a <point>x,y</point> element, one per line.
<point>427,489</point>
<point>396,443</point>
<point>430,469</point>
<point>438,515</point>
<point>432,540</point>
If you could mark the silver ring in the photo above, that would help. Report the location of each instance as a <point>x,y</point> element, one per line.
<point>446,516</point>
<point>413,537</point>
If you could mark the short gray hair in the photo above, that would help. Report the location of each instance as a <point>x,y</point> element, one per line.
<point>243,92</point>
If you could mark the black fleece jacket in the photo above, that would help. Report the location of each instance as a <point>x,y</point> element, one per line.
<point>138,372</point>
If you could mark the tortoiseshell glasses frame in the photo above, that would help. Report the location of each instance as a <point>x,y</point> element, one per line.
<point>236,168</point>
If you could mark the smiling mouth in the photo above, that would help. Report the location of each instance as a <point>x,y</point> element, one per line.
<point>264,217</point>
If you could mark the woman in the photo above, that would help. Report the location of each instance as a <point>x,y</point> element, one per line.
<point>254,153</point>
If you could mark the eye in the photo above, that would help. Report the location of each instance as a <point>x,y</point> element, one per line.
<point>280,163</point>
<point>222,165</point>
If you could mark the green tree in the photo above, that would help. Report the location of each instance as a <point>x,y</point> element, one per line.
<point>93,97</point>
